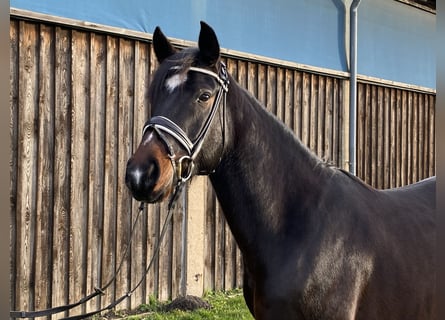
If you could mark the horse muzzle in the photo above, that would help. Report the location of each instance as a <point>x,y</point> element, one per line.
<point>149,175</point>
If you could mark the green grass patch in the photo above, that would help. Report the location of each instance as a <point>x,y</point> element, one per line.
<point>224,306</point>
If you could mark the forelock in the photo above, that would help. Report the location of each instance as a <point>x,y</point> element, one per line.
<point>173,71</point>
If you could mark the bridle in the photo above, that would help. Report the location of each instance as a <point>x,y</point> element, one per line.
<point>163,125</point>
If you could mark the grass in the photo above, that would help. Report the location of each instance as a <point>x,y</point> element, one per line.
<point>224,306</point>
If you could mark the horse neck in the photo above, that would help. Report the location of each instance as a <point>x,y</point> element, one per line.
<point>266,175</point>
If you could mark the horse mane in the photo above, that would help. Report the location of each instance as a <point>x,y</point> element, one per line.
<point>324,166</point>
<point>317,163</point>
<point>355,179</point>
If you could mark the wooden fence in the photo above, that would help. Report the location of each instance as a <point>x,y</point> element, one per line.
<point>395,136</point>
<point>78,103</point>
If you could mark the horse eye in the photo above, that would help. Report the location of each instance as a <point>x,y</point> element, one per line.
<point>204,97</point>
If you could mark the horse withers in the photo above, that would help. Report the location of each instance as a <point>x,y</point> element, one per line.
<point>317,242</point>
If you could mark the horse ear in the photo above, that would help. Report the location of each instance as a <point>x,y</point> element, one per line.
<point>208,44</point>
<point>163,48</point>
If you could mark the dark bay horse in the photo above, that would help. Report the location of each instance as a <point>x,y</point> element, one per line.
<point>317,242</point>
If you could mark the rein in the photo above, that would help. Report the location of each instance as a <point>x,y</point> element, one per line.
<point>101,291</point>
<point>161,125</point>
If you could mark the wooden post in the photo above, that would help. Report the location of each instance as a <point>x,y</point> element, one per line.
<point>196,199</point>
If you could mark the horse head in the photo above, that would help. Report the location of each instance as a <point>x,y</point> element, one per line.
<point>182,137</point>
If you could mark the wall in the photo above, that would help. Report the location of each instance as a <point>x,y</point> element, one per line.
<point>395,41</point>
<point>396,135</point>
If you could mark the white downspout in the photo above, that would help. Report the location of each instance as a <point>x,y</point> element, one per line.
<point>353,86</point>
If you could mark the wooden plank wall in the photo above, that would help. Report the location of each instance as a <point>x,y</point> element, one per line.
<point>78,104</point>
<point>395,135</point>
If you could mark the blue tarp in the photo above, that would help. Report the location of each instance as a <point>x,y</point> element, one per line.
<point>396,41</point>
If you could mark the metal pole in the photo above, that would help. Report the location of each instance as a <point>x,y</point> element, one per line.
<point>353,87</point>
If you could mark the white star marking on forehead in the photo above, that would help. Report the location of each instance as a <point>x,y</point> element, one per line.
<point>175,81</point>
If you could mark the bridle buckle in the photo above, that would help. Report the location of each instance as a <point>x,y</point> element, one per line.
<point>189,165</point>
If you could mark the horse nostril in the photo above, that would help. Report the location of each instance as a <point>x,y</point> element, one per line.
<point>141,178</point>
<point>153,170</point>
